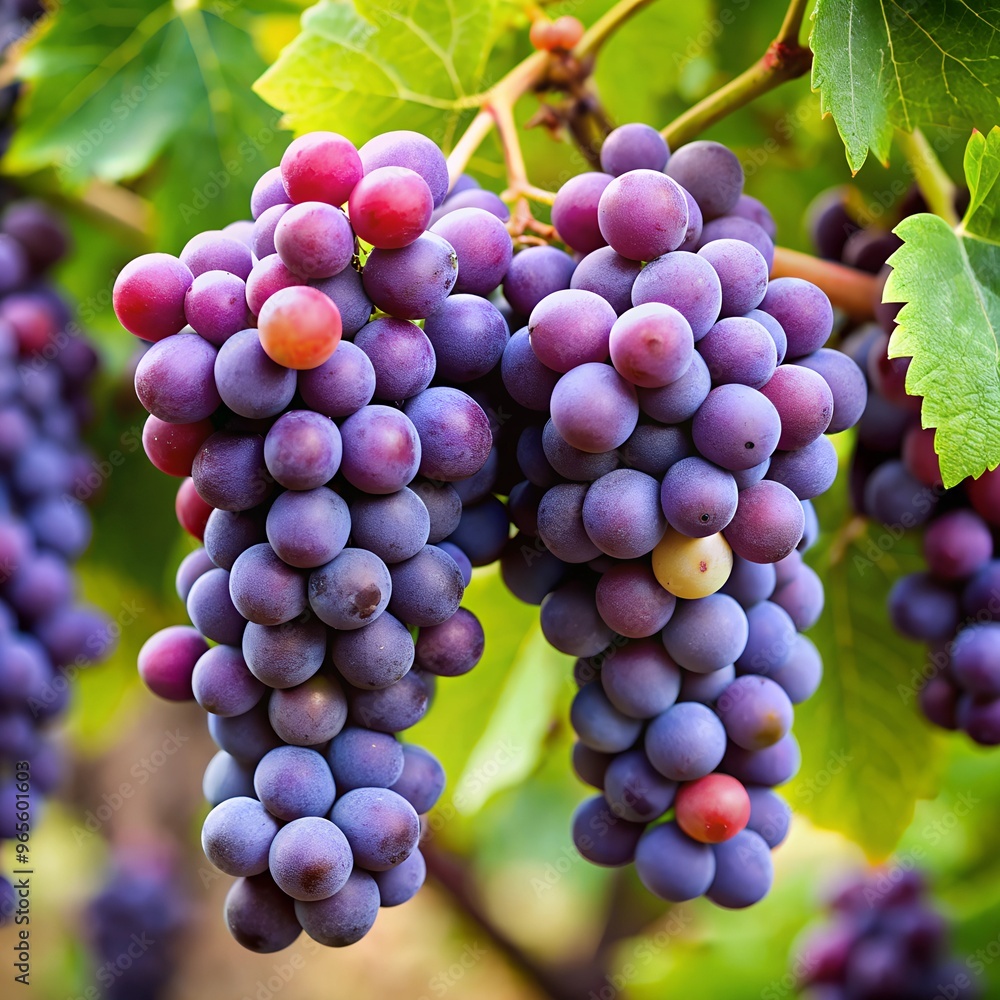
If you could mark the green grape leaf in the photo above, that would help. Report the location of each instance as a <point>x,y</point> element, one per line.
<point>950,324</point>
<point>370,66</point>
<point>885,64</point>
<point>867,753</point>
<point>116,90</point>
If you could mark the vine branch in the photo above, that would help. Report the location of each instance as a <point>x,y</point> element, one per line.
<point>604,27</point>
<point>853,291</point>
<point>785,59</point>
<point>935,185</point>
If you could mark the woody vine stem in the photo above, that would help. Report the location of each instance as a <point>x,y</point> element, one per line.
<point>542,72</point>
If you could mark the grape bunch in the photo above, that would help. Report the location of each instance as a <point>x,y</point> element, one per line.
<point>884,941</point>
<point>954,605</point>
<point>311,378</point>
<point>133,924</point>
<point>682,402</point>
<point>46,633</point>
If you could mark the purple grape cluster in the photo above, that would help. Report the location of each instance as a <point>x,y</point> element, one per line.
<point>954,605</point>
<point>46,633</point>
<point>133,925</point>
<point>682,402</point>
<point>338,467</point>
<point>884,941</point>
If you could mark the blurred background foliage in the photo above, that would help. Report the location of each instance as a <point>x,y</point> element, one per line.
<point>141,119</point>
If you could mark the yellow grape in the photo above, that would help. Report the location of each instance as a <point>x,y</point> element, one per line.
<point>692,567</point>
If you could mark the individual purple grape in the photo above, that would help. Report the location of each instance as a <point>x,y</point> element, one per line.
<point>572,463</point>
<point>292,782</point>
<point>268,192</point>
<point>482,532</point>
<point>345,917</point>
<point>698,499</point>
<point>395,708</point>
<point>375,656</point>
<point>400,884</point>
<point>773,327</point>
<point>263,230</point>
<point>651,345</point>
<point>211,610</point>
<point>174,379</point>
<point>340,386</point>
<point>685,742</point>
<point>426,588</point>
<point>394,527</point>
<point>736,427</point>
<point>706,634</point>
<point>260,916</point>
<point>216,251</point>
<point>631,601</point>
<point>310,858</point>
<point>382,449</point>
<point>980,719</point>
<point>643,214</point>
<point>167,660</point>
<point>482,245</point>
<point>268,276</point>
<point>804,404</point>
<point>264,589</point>
<point>893,497</point>
<point>801,672</point>
<point>590,766</point>
<point>149,293</point>
<point>635,790</point>
<point>801,597</point>
<point>529,571</point>
<point>193,565</point>
<point>571,623</point>
<point>772,766</point>
<point>473,198</point>
<point>653,448</point>
<point>422,780</point>
<point>594,408</point>
<point>705,688</point>
<point>229,471</point>
<point>756,712</point>
<point>363,758</point>
<point>411,282</point>
<point>742,272</point>
<point>561,527</point>
<point>743,871</point>
<point>680,400</point>
<point>401,356</point>
<point>747,207</point>
<point>308,529</point>
<point>535,273</point>
<point>411,150</point>
<point>215,305</point>
<point>452,647</point>
<point>528,381</point>
<point>685,281</point>
<point>229,533</point>
<point>712,174</point>
<point>314,240</point>
<point>807,472</point>
<point>249,382</point>
<point>246,737</point>
<point>924,609</point>
<point>975,664</point>
<point>846,382</point>
<point>770,816</point>
<point>241,230</point>
<point>768,523</point>
<point>770,641</point>
<point>347,292</point>
<point>223,684</point>
<point>673,866</point>
<point>739,350</point>
<point>309,714</point>
<point>735,227</point>
<point>469,336</point>
<point>237,835</point>
<point>570,327</point>
<point>574,212</point>
<point>443,505</point>
<point>957,545</point>
<point>603,727</point>
<point>640,679</point>
<point>225,778</point>
<point>601,836</point>
<point>380,825</point>
<point>634,147</point>
<point>454,433</point>
<point>804,312</point>
<point>303,450</point>
<point>350,591</point>
<point>286,655</point>
<point>622,514</point>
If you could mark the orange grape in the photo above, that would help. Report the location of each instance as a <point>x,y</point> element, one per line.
<point>299,327</point>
